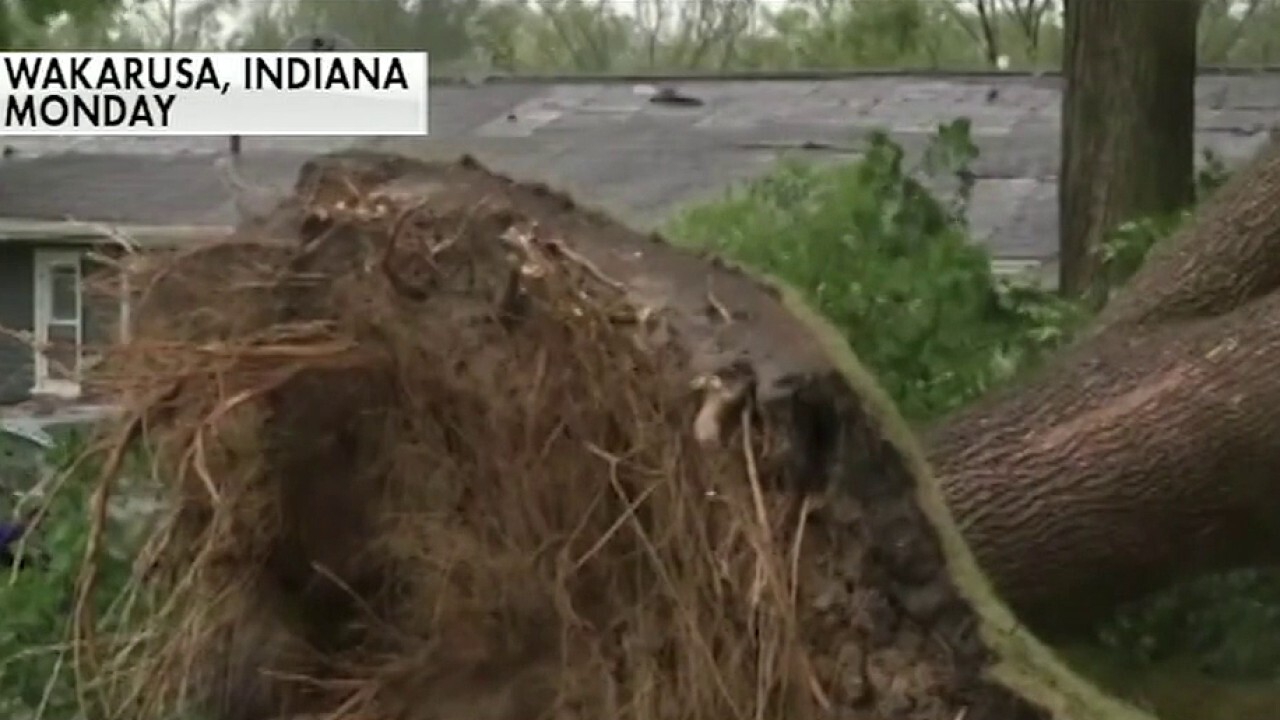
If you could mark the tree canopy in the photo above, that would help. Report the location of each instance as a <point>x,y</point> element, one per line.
<point>632,36</point>
<point>24,23</point>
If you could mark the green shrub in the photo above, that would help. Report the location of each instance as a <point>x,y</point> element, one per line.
<point>36,604</point>
<point>1226,625</point>
<point>891,264</point>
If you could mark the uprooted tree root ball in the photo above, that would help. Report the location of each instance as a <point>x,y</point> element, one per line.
<point>436,444</point>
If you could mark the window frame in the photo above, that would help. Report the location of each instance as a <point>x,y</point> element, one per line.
<point>45,262</point>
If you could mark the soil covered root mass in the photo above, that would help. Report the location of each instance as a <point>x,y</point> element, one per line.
<point>437,444</point>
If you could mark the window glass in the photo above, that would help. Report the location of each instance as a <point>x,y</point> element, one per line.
<point>64,288</point>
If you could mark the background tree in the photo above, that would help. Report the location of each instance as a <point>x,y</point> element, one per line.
<point>1128,119</point>
<point>24,23</point>
<point>548,36</point>
<point>441,27</point>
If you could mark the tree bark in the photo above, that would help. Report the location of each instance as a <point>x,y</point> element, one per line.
<point>1145,453</point>
<point>1224,258</point>
<point>1128,119</point>
<point>1138,459</point>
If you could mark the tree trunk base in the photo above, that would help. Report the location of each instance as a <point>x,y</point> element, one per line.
<point>438,456</point>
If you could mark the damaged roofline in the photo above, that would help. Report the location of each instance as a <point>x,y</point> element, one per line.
<point>79,232</point>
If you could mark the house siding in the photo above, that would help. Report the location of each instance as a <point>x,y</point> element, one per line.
<point>16,314</point>
<point>101,315</point>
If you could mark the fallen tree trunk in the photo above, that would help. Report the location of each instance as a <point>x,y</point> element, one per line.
<point>1223,259</point>
<point>433,452</point>
<point>1137,460</point>
<point>1146,453</point>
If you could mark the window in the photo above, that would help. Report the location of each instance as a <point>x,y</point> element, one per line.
<point>59,326</point>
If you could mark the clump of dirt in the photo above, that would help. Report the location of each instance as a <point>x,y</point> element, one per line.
<point>438,444</point>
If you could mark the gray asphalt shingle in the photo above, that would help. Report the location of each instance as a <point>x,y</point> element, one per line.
<point>181,189</point>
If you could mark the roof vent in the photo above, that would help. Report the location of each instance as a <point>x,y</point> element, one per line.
<point>320,42</point>
<point>671,96</point>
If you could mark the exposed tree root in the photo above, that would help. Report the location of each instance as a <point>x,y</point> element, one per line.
<point>442,445</point>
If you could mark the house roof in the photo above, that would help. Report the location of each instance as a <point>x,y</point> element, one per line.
<point>606,142</point>
<point>131,189</point>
